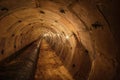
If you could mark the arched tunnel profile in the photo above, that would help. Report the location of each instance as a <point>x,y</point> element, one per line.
<point>59,40</point>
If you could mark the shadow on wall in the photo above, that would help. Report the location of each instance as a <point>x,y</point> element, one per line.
<point>81,63</point>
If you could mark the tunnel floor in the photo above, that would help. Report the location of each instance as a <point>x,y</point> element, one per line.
<point>49,65</point>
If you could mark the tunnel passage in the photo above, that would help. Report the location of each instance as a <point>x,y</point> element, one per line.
<point>80,32</point>
<point>49,65</point>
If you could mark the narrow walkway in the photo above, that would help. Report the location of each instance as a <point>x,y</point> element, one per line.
<point>49,66</point>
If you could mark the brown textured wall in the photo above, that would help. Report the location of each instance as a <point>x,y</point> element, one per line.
<point>89,53</point>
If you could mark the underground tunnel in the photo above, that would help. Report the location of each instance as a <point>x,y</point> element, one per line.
<point>59,40</point>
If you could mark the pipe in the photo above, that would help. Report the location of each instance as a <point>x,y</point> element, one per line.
<point>22,65</point>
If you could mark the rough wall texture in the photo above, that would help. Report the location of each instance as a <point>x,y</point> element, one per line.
<point>91,52</point>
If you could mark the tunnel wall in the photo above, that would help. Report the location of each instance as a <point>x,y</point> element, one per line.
<point>83,17</point>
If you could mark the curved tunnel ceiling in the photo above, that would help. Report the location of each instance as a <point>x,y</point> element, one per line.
<point>79,26</point>
<point>35,21</point>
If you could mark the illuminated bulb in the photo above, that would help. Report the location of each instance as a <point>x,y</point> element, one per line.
<point>58,34</point>
<point>45,35</point>
<point>67,37</point>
